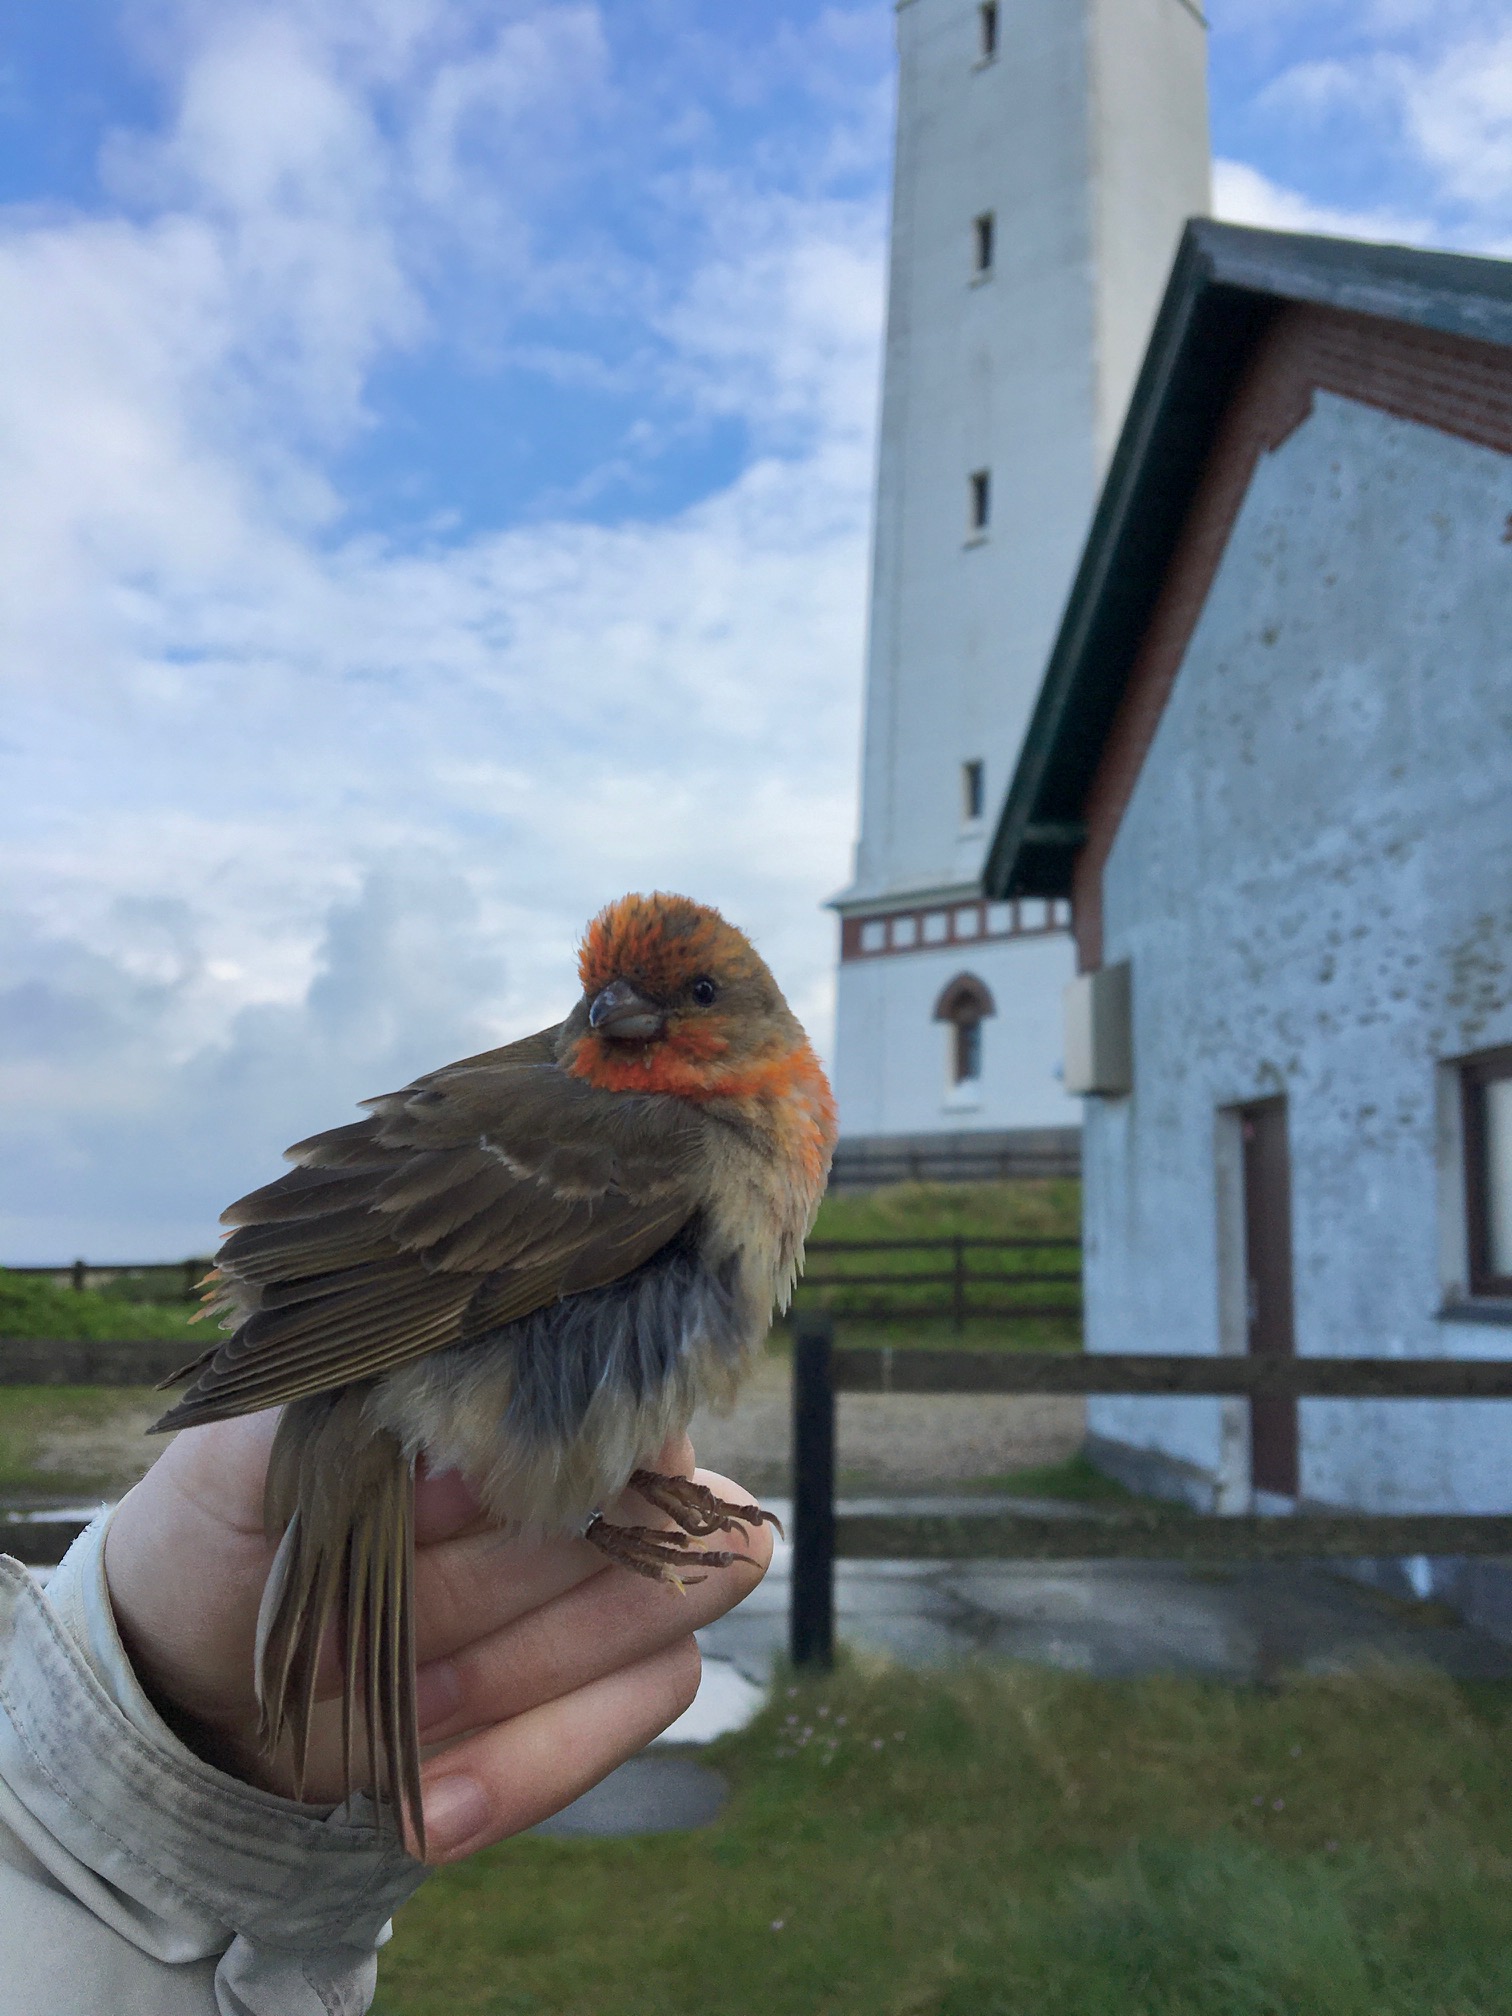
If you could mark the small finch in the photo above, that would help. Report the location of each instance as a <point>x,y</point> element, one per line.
<point>529,1267</point>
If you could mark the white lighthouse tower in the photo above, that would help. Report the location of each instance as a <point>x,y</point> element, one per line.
<point>1048,154</point>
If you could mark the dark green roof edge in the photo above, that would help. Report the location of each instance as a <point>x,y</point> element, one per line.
<point>1226,285</point>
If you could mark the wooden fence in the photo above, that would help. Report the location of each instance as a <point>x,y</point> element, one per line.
<point>820,1537</point>
<point>957,1279</point>
<point>176,1280</point>
<point>109,1362</point>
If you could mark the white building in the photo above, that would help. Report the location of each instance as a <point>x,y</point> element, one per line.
<point>1271,767</point>
<point>1048,154</point>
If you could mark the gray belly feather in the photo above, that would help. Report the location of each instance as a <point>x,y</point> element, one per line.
<point>546,1418</point>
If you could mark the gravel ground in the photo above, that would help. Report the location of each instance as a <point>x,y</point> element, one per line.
<point>118,1451</point>
<point>890,1442</point>
<point>886,1442</point>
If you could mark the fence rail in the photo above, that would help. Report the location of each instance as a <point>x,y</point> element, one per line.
<point>821,1535</point>
<point>1165,1536</point>
<point>112,1362</point>
<point>881,1369</point>
<point>834,1284</point>
<point>82,1274</point>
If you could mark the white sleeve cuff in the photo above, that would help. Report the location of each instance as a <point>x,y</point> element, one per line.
<point>177,1858</point>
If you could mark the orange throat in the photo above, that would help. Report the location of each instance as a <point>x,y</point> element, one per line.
<point>788,1091</point>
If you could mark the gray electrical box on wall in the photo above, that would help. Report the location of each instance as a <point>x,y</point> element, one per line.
<point>1100,1033</point>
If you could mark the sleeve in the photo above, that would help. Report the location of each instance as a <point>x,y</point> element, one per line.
<point>137,1880</point>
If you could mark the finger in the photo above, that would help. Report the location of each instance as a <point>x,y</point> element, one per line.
<point>486,1576</point>
<point>186,1559</point>
<point>611,1620</point>
<point>508,1777</point>
<point>221,1468</point>
<point>482,1582</point>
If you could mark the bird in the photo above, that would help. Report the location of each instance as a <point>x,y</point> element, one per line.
<point>528,1266</point>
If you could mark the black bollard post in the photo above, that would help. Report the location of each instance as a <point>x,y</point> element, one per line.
<point>811,1617</point>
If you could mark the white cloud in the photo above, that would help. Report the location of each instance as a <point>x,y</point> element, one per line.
<point>1422,86</point>
<point>290,813</point>
<point>1242,195</point>
<point>1459,112</point>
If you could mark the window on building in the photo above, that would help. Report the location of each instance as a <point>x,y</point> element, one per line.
<point>965,1005</point>
<point>1486,1089</point>
<point>983,233</point>
<point>987,28</point>
<point>979,504</point>
<point>973,789</point>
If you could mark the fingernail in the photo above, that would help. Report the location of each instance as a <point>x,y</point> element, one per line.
<point>456,1808</point>
<point>438,1692</point>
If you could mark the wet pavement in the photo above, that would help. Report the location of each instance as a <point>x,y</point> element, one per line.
<point>652,1794</point>
<point>1244,1622</point>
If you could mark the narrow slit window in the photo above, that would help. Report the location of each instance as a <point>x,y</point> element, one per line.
<point>1486,1082</point>
<point>968,1052</point>
<point>987,28</point>
<point>973,788</point>
<point>983,232</point>
<point>979,506</point>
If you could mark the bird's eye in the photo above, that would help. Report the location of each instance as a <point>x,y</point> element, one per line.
<point>704,991</point>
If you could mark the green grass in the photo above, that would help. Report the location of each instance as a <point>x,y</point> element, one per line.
<point>1013,1842</point>
<point>1034,1208</point>
<point>37,1311</point>
<point>1075,1479</point>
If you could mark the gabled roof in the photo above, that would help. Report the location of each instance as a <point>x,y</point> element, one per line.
<point>1226,285</point>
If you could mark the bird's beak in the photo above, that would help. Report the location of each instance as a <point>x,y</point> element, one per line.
<point>618,1011</point>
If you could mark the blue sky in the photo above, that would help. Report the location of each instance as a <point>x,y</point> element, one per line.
<point>438,447</point>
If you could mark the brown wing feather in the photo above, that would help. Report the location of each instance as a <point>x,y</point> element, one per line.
<point>478,1194</point>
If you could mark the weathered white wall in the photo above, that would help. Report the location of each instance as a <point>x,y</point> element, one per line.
<point>998,374</point>
<point>1313,882</point>
<point>1150,172</point>
<point>1089,170</point>
<point>892,1074</point>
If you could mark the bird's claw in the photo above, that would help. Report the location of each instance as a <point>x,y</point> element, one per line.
<point>695,1508</point>
<point>653,1551</point>
<point>662,1552</point>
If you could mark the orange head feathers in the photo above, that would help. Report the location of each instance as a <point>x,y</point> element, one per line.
<point>661,944</point>
<point>677,1000</point>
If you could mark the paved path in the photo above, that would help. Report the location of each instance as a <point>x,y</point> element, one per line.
<point>1246,1623</point>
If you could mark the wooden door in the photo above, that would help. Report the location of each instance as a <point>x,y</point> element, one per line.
<point>1268,1289</point>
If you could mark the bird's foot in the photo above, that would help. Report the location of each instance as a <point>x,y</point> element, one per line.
<point>695,1508</point>
<point>653,1551</point>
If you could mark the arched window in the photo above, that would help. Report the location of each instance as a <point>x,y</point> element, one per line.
<point>965,1004</point>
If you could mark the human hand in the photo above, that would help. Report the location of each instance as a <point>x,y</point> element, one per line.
<point>540,1666</point>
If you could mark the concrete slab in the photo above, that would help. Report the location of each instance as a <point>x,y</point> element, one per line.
<point>651,1794</point>
<point>1117,1619</point>
<point>726,1700</point>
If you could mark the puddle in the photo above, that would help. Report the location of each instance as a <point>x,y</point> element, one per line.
<point>726,1701</point>
<point>648,1795</point>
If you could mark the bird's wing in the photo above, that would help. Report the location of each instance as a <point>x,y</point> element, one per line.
<point>477,1194</point>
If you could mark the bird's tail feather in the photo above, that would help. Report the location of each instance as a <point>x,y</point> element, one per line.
<point>342,1492</point>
